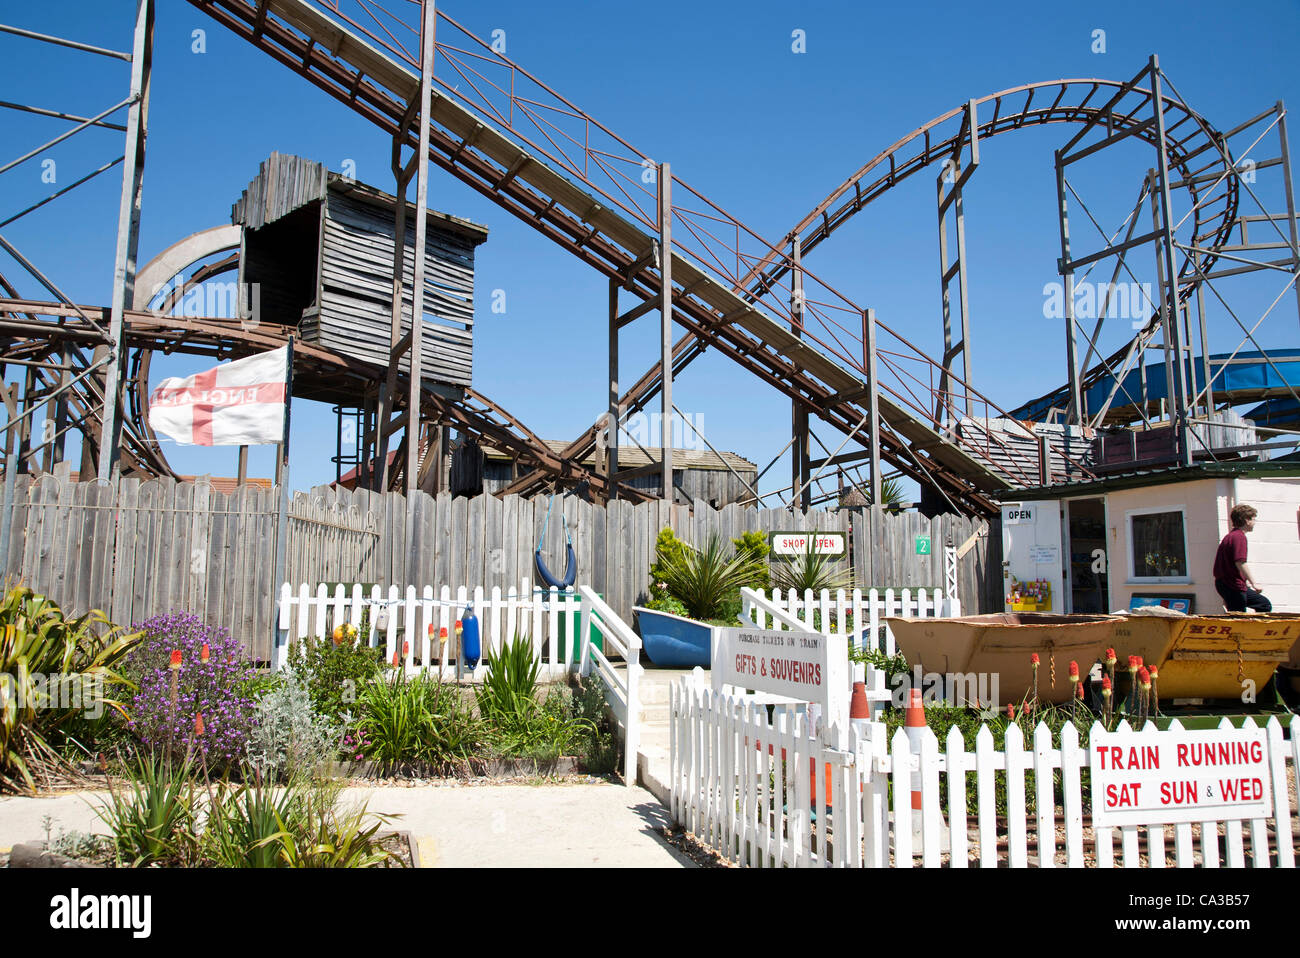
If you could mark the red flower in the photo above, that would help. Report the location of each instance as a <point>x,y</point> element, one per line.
<point>1011,711</point>
<point>198,724</point>
<point>1132,663</point>
<point>396,658</point>
<point>1074,671</point>
<point>1033,659</point>
<point>1110,656</point>
<point>1105,684</point>
<point>1080,687</point>
<point>1138,660</point>
<point>1145,678</point>
<point>1154,673</point>
<point>406,648</point>
<point>176,658</point>
<point>1025,710</point>
<point>204,653</point>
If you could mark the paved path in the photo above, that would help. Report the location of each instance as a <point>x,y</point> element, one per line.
<point>598,825</point>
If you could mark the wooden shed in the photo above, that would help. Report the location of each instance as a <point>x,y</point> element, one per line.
<point>699,476</point>
<point>319,246</point>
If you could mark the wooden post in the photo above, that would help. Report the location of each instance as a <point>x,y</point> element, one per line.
<point>417,293</point>
<point>1289,189</point>
<point>799,465</point>
<point>873,399</point>
<point>1173,314</point>
<point>1074,411</point>
<point>241,475</point>
<point>611,443</point>
<point>666,328</point>
<point>128,237</point>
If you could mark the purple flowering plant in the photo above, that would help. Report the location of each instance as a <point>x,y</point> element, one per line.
<point>215,689</point>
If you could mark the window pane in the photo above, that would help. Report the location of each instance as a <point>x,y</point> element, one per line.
<point>1158,548</point>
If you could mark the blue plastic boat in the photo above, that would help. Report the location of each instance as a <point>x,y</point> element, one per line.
<point>673,642</point>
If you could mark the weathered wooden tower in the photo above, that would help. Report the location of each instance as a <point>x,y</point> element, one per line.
<point>318,250</point>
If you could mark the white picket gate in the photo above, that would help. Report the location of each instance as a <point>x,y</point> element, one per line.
<point>409,624</point>
<point>854,613</point>
<point>732,789</point>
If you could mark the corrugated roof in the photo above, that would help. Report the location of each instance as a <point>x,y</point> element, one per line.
<point>1153,477</point>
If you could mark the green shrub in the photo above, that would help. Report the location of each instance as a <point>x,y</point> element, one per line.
<point>542,731</point>
<point>417,724</point>
<point>872,655</point>
<point>521,726</point>
<point>668,550</point>
<point>754,545</point>
<point>600,753</point>
<point>334,674</point>
<point>706,578</point>
<point>288,733</point>
<point>667,603</point>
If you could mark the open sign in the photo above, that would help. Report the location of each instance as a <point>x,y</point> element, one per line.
<point>799,543</point>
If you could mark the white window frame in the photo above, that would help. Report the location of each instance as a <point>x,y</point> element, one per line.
<point>1133,577</point>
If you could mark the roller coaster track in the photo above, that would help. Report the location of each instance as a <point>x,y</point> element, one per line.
<point>1013,109</point>
<point>508,135</point>
<point>152,331</point>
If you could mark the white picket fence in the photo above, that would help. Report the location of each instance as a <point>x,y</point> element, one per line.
<point>409,624</point>
<point>732,789</point>
<point>854,613</point>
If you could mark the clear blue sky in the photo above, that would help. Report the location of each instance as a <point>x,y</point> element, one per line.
<point>715,89</point>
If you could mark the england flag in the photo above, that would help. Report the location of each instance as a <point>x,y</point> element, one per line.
<point>238,404</point>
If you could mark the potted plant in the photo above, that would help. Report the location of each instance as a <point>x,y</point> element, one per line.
<point>694,591</point>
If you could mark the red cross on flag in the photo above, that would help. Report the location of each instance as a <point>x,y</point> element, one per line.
<point>237,404</point>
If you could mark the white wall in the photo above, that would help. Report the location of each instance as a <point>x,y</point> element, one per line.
<point>1274,546</point>
<point>1205,504</point>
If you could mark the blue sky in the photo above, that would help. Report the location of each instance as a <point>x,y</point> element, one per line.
<point>716,90</point>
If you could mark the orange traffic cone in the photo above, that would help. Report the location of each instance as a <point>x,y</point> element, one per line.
<point>914,723</point>
<point>858,706</point>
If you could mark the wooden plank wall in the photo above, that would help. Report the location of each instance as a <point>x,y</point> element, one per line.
<point>143,548</point>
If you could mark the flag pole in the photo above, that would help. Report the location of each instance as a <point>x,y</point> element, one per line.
<point>282,520</point>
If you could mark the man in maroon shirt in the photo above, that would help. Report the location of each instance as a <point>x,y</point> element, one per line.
<point>1232,577</point>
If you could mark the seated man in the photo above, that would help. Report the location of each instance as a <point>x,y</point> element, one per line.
<point>1232,577</point>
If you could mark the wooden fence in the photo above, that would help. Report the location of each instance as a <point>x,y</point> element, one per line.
<point>139,548</point>
<point>765,792</point>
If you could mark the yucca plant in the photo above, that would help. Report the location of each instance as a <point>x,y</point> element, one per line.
<point>703,579</point>
<point>406,723</point>
<point>244,822</point>
<point>510,684</point>
<point>330,836</point>
<point>811,570</point>
<point>155,818</point>
<point>50,665</point>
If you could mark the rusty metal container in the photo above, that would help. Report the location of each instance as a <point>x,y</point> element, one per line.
<point>1208,656</point>
<point>1000,645</point>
